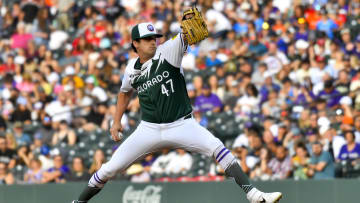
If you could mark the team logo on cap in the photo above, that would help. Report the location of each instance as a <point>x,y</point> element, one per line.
<point>150,28</point>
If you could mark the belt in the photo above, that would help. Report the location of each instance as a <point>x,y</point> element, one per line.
<point>188,116</point>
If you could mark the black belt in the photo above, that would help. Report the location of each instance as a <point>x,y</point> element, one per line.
<point>188,116</point>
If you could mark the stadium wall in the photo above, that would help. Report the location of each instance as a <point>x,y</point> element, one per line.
<point>327,191</point>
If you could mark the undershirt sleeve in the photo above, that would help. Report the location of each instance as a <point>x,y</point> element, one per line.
<point>173,50</point>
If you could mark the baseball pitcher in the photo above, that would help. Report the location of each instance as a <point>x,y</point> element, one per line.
<point>167,120</point>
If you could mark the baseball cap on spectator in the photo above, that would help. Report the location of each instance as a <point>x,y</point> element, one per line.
<point>159,25</point>
<point>272,33</point>
<point>38,105</point>
<point>134,169</point>
<point>316,143</point>
<point>323,129</point>
<point>68,47</point>
<point>328,83</point>
<point>100,18</point>
<point>323,11</point>
<point>301,21</point>
<point>320,59</point>
<point>94,56</point>
<point>357,39</point>
<point>245,6</point>
<point>265,25</point>
<point>143,30</point>
<point>301,44</point>
<point>57,38</point>
<point>38,135</point>
<point>21,100</point>
<point>18,124</point>
<point>190,87</point>
<point>115,71</point>
<point>346,57</point>
<point>53,78</point>
<point>68,88</point>
<point>234,83</point>
<point>248,124</point>
<point>90,80</point>
<point>284,113</point>
<point>267,74</point>
<point>44,150</point>
<point>243,15</point>
<point>99,4</point>
<point>311,132</point>
<point>321,42</point>
<point>19,60</point>
<point>323,121</point>
<point>196,110</point>
<point>105,43</point>
<point>295,131</point>
<point>100,64</point>
<point>291,30</point>
<point>339,112</point>
<point>282,125</point>
<point>70,70</point>
<point>345,31</point>
<point>206,86</point>
<point>346,100</point>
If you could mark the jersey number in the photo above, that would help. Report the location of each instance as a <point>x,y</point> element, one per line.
<point>164,90</point>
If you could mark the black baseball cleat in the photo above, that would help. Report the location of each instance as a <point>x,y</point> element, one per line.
<point>77,201</point>
<point>256,196</point>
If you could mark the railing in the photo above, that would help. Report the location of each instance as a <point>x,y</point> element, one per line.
<point>310,191</point>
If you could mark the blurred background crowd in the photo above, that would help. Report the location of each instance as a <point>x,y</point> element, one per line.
<point>277,80</point>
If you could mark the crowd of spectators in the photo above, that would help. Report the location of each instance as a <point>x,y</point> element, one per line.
<point>284,75</point>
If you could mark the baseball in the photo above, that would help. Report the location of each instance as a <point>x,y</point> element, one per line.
<point>120,135</point>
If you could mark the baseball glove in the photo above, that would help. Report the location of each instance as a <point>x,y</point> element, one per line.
<point>194,28</point>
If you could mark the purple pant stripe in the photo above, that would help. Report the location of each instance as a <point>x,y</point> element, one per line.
<point>228,151</point>
<point>220,153</point>
<point>101,181</point>
<point>97,179</point>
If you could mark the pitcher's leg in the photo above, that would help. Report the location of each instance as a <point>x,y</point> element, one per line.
<point>193,137</point>
<point>142,141</point>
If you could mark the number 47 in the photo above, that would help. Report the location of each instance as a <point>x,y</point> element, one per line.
<point>164,90</point>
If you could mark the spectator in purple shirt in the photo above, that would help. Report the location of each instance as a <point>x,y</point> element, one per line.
<point>302,32</point>
<point>351,150</point>
<point>57,173</point>
<point>208,101</point>
<point>330,94</point>
<point>267,88</point>
<point>357,46</point>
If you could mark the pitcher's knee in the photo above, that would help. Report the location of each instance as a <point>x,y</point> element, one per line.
<point>107,171</point>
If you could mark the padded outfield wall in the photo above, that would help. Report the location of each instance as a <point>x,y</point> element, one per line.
<point>327,191</point>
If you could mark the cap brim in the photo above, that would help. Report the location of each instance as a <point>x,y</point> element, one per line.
<point>150,35</point>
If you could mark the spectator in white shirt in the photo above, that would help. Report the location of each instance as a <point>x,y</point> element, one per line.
<point>160,164</point>
<point>59,110</point>
<point>95,91</point>
<point>181,162</point>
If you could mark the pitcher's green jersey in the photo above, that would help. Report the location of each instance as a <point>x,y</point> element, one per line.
<point>160,83</point>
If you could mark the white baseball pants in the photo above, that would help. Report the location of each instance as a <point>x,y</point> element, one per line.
<point>150,137</point>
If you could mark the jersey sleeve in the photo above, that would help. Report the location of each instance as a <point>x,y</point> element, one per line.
<point>173,50</point>
<point>126,82</point>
